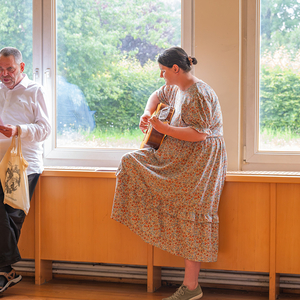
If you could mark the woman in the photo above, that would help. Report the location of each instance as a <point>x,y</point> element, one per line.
<point>170,196</point>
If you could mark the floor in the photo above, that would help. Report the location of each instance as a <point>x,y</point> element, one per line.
<point>62,289</point>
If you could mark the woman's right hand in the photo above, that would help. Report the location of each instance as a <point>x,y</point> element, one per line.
<point>149,109</point>
<point>144,121</point>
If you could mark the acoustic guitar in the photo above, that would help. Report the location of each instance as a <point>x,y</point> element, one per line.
<point>152,137</point>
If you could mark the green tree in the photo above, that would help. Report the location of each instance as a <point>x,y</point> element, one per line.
<point>16,28</point>
<point>107,48</point>
<point>100,49</point>
<point>280,25</point>
<point>279,99</point>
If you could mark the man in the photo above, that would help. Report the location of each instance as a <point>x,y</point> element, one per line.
<point>23,113</point>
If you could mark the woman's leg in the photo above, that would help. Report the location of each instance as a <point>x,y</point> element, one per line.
<point>190,289</point>
<point>192,269</point>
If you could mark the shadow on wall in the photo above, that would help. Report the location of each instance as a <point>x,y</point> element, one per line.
<point>73,112</point>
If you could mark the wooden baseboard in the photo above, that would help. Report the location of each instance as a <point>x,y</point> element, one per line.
<point>26,274</point>
<point>290,291</point>
<point>100,279</point>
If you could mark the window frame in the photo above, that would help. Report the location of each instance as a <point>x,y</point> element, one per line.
<point>44,53</point>
<point>253,159</point>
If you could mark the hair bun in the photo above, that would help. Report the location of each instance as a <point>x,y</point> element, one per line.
<point>194,60</point>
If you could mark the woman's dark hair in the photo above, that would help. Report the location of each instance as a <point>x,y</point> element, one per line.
<point>177,56</point>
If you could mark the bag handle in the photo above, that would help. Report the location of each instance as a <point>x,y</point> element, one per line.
<point>19,150</point>
<point>13,142</point>
<point>12,147</point>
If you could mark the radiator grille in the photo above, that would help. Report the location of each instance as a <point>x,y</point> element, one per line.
<point>287,281</point>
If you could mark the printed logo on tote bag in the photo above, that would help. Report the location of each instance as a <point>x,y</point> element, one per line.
<point>12,180</point>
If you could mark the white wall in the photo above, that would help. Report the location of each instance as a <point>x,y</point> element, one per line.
<point>217,49</point>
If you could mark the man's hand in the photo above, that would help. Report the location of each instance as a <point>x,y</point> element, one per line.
<point>9,130</point>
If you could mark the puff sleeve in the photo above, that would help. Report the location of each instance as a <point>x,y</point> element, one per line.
<point>196,112</point>
<point>167,94</point>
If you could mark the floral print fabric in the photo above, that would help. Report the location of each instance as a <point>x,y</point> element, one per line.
<point>170,196</point>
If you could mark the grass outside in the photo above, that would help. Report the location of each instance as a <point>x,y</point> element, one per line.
<point>279,140</point>
<point>107,138</point>
<point>269,139</point>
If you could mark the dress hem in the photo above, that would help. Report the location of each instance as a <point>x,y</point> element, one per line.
<point>157,245</point>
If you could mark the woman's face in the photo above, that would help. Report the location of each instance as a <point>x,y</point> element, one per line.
<point>167,74</point>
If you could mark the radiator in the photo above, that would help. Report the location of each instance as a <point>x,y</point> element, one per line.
<point>287,281</point>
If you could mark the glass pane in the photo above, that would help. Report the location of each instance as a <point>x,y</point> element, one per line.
<point>106,67</point>
<point>280,76</point>
<point>16,29</point>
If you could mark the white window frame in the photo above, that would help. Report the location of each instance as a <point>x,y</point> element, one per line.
<point>44,54</point>
<point>253,158</point>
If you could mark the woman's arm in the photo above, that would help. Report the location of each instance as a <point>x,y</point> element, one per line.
<point>182,133</point>
<point>151,105</point>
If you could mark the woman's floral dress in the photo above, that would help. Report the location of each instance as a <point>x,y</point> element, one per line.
<point>170,196</point>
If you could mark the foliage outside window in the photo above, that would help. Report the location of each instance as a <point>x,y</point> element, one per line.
<point>280,75</point>
<point>107,69</point>
<point>16,29</point>
<point>106,63</point>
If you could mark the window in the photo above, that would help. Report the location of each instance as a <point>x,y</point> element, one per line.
<point>271,84</point>
<point>279,102</point>
<point>16,29</point>
<point>99,66</point>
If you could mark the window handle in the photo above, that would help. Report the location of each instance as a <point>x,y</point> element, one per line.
<point>36,74</point>
<point>47,73</point>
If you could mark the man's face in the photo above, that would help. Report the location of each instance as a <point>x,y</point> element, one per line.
<point>10,71</point>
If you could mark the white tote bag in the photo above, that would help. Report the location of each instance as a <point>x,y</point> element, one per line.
<point>14,178</point>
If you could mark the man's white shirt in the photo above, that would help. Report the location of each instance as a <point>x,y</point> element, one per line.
<point>25,105</point>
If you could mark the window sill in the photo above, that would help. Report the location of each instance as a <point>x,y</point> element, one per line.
<point>231,176</point>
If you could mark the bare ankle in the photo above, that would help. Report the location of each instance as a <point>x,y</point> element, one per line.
<point>191,286</point>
